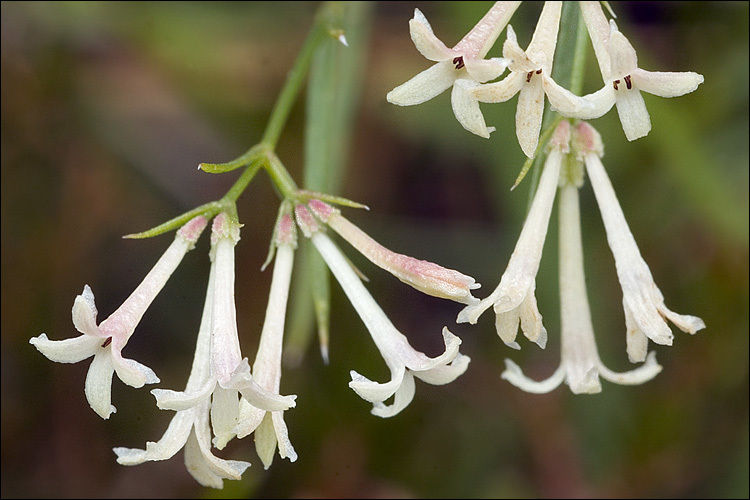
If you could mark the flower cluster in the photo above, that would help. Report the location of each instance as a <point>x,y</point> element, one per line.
<point>223,397</point>
<point>513,300</point>
<point>463,67</point>
<point>572,151</point>
<point>531,74</point>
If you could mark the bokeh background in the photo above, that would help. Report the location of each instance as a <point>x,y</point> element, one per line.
<point>107,108</point>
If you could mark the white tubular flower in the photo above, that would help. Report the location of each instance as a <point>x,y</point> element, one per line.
<point>106,341</point>
<point>462,67</point>
<point>269,427</point>
<point>513,299</point>
<point>623,79</point>
<point>402,359</point>
<point>530,75</point>
<point>232,372</point>
<point>190,427</point>
<point>229,373</point>
<point>645,312</point>
<point>581,366</point>
<point>425,276</point>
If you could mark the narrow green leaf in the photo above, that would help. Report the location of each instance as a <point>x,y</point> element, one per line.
<point>333,95</point>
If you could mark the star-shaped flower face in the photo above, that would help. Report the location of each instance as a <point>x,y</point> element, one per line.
<point>402,359</point>
<point>530,75</point>
<point>623,79</point>
<point>462,67</point>
<point>106,340</point>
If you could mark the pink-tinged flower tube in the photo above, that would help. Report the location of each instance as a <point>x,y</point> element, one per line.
<point>229,373</point>
<point>513,300</point>
<point>106,340</point>
<point>269,428</point>
<point>530,77</point>
<point>190,427</point>
<point>645,312</point>
<point>402,359</point>
<point>462,67</point>
<point>623,79</point>
<point>423,275</point>
<point>581,366</point>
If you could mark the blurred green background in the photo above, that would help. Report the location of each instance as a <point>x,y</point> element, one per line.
<point>108,107</point>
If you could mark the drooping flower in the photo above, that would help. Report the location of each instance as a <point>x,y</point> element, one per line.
<point>531,77</point>
<point>623,79</point>
<point>581,366</point>
<point>462,67</point>
<point>106,340</point>
<point>513,300</point>
<point>229,373</point>
<point>269,427</point>
<point>211,400</point>
<point>423,275</point>
<point>402,359</point>
<point>190,427</point>
<point>645,313</point>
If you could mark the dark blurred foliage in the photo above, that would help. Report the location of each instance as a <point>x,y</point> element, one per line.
<point>108,107</point>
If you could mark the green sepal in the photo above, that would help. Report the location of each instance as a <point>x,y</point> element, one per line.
<point>304,195</point>
<point>208,210</point>
<point>524,170</point>
<point>284,209</point>
<point>245,160</point>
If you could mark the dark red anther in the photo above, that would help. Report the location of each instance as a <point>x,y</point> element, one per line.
<point>459,62</point>
<point>528,76</point>
<point>615,83</point>
<point>107,342</point>
<point>628,82</point>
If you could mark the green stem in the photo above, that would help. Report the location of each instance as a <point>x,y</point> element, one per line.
<point>568,64</point>
<point>572,171</point>
<point>241,183</point>
<point>579,57</point>
<point>568,71</point>
<point>262,155</point>
<point>280,176</point>
<point>293,84</point>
